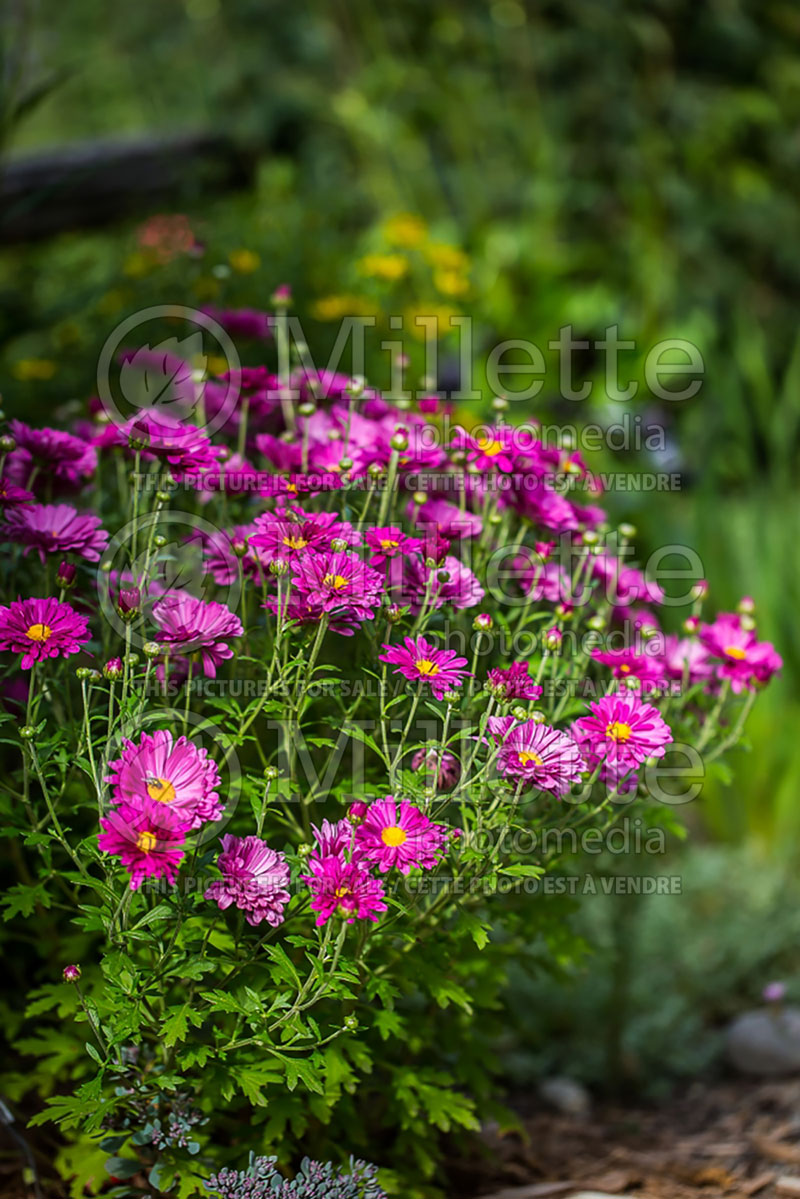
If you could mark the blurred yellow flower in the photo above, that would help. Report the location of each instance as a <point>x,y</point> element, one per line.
<point>450,283</point>
<point>383,266</point>
<point>333,308</point>
<point>449,258</point>
<point>206,287</point>
<point>217,365</point>
<point>405,229</point>
<point>138,264</point>
<point>434,320</point>
<point>244,261</point>
<point>34,369</point>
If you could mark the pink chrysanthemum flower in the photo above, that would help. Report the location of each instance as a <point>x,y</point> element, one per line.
<point>494,449</point>
<point>543,756</point>
<point>390,542</point>
<point>177,774</point>
<point>255,879</point>
<point>61,455</point>
<point>745,660</point>
<point>686,656</point>
<point>621,732</point>
<point>42,628</point>
<point>446,518</point>
<point>338,584</point>
<point>514,683</point>
<point>242,322</point>
<point>398,834</point>
<point>627,664</point>
<point>291,533</point>
<point>333,839</point>
<point>344,888</point>
<point>421,662</point>
<point>421,583</point>
<point>625,585</point>
<point>11,494</point>
<point>55,529</point>
<point>189,625</point>
<point>181,447</point>
<point>148,837</point>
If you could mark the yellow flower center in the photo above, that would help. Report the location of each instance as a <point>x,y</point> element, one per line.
<point>393,836</point>
<point>341,892</point>
<point>426,667</point>
<point>146,841</point>
<point>295,543</point>
<point>731,651</point>
<point>624,669</point>
<point>617,730</point>
<point>490,447</point>
<point>161,790</point>
<point>337,582</point>
<point>389,545</point>
<point>529,756</point>
<point>40,632</point>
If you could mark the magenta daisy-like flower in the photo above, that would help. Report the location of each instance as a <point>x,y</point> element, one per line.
<point>543,756</point>
<point>291,533</point>
<point>255,879</point>
<point>55,529</point>
<point>514,683</point>
<point>177,774</point>
<point>390,542</point>
<point>745,660</point>
<point>148,837</point>
<point>627,664</point>
<point>333,839</point>
<point>449,582</point>
<point>395,833</point>
<point>11,494</point>
<point>66,457</point>
<point>338,584</point>
<point>189,625</point>
<point>421,662</point>
<point>622,731</point>
<point>42,628</point>
<point>492,449</point>
<point>182,447</point>
<point>448,519</point>
<point>686,657</point>
<point>343,888</point>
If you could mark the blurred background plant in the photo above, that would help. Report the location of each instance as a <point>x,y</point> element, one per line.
<point>531,165</point>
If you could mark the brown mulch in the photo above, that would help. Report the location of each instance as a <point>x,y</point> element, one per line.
<point>733,1139</point>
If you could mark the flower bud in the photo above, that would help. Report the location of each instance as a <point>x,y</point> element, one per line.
<point>338,545</point>
<point>355,387</point>
<point>375,470</point>
<point>443,576</point>
<point>113,669</point>
<point>402,405</point>
<point>691,625</point>
<point>596,623</point>
<point>495,518</point>
<point>82,673</point>
<point>163,497</point>
<point>357,812</point>
<point>345,463</point>
<point>282,296</point>
<point>151,649</point>
<point>553,638</point>
<point>399,441</point>
<point>7,443</point>
<point>65,576</point>
<point>544,549</point>
<point>159,542</point>
<point>393,614</point>
<point>106,567</point>
<point>307,408</point>
<point>699,590</point>
<point>747,623</point>
<point>419,498</point>
<point>500,403</point>
<point>627,531</point>
<point>305,850</point>
<point>279,568</point>
<point>537,716</point>
<point>631,683</point>
<point>482,622</point>
<point>132,659</point>
<point>27,732</point>
<point>746,606</point>
<point>519,713</point>
<point>71,974</point>
<point>452,697</point>
<point>351,1024</point>
<point>271,773</point>
<point>129,602</point>
<point>239,546</point>
<point>590,537</point>
<point>564,611</point>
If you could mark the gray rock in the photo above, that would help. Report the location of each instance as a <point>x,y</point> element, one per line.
<point>566,1095</point>
<point>765,1042</point>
